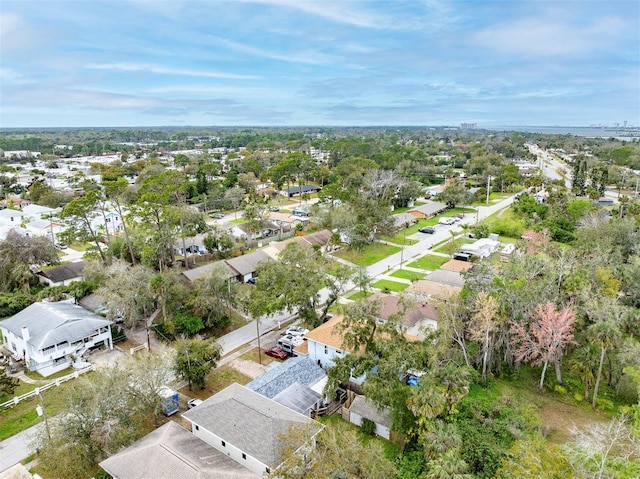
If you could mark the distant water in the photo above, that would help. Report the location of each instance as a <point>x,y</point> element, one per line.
<point>587,132</point>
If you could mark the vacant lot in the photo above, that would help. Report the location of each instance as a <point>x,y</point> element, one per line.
<point>429,262</point>
<point>369,255</point>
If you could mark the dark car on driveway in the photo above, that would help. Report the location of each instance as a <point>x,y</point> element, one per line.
<point>427,229</point>
<point>277,353</point>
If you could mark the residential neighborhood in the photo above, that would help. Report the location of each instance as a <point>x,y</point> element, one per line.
<point>205,327</point>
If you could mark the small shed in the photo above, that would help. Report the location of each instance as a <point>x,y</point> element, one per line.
<point>62,275</point>
<point>363,408</point>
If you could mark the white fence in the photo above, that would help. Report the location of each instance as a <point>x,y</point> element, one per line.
<point>55,382</point>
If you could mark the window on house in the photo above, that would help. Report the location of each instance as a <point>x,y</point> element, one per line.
<point>197,427</point>
<point>224,444</point>
<point>268,470</point>
<point>244,456</point>
<point>326,350</point>
<point>339,352</point>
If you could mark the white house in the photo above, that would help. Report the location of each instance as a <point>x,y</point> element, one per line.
<point>11,217</point>
<point>38,212</point>
<point>47,336</point>
<point>247,427</point>
<point>323,345</point>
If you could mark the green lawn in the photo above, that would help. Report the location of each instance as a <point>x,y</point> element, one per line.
<point>401,238</point>
<point>238,221</point>
<point>217,380</point>
<point>429,262</point>
<point>448,248</point>
<point>406,274</point>
<point>23,415</point>
<point>369,255</point>
<point>359,295</point>
<point>392,286</point>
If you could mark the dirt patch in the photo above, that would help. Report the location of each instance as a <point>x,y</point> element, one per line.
<point>248,368</point>
<point>106,357</point>
<point>558,418</point>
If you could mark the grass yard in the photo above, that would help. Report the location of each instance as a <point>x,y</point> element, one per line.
<point>359,295</point>
<point>401,238</point>
<point>253,356</point>
<point>238,221</point>
<point>429,262</point>
<point>369,255</point>
<point>23,415</point>
<point>407,274</point>
<point>216,381</point>
<point>392,286</point>
<point>449,248</point>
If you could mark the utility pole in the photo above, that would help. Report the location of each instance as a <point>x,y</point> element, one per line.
<point>41,412</point>
<point>258,334</point>
<point>488,188</point>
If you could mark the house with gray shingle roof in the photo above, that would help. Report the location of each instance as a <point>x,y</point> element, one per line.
<point>247,427</point>
<point>47,336</point>
<point>172,452</point>
<point>428,210</point>
<point>299,369</point>
<point>246,265</point>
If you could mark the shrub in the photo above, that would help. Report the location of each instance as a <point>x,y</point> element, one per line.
<point>188,324</point>
<point>368,427</point>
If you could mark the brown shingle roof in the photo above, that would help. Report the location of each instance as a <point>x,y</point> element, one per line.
<point>431,288</point>
<point>422,310</point>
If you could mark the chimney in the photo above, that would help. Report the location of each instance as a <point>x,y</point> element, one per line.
<point>25,334</point>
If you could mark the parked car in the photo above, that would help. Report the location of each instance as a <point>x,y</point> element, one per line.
<point>251,281</point>
<point>297,331</point>
<point>277,353</point>
<point>446,221</point>
<point>191,403</point>
<point>274,208</point>
<point>427,229</point>
<point>216,215</point>
<point>61,246</point>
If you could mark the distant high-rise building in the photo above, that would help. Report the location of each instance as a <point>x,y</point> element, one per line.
<point>625,123</point>
<point>468,126</point>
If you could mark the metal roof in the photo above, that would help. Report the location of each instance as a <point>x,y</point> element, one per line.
<point>298,397</point>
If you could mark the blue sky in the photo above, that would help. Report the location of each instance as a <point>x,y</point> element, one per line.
<point>303,62</point>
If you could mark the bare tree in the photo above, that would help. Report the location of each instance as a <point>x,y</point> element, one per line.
<point>484,325</point>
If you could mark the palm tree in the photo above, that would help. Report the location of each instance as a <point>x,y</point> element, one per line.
<point>448,466</point>
<point>604,335</point>
<point>583,363</point>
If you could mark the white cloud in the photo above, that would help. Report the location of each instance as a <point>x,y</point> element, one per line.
<point>308,57</point>
<point>541,37</point>
<point>341,12</point>
<point>143,67</point>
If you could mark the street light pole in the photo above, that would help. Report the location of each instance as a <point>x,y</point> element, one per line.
<point>404,239</point>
